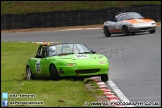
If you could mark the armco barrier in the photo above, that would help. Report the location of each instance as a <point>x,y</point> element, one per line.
<point>73,18</point>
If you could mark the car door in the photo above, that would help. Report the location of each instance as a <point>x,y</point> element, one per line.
<point>118,24</point>
<point>40,62</point>
<point>43,66</point>
<point>112,27</point>
<point>113,24</point>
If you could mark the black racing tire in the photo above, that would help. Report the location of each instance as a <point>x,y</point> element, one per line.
<point>54,73</point>
<point>152,31</point>
<point>80,78</point>
<point>106,31</point>
<point>104,77</point>
<point>125,31</point>
<point>133,33</point>
<point>29,74</point>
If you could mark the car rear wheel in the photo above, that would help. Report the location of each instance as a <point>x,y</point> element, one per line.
<point>104,77</point>
<point>152,31</point>
<point>133,33</point>
<point>54,73</point>
<point>106,32</point>
<point>29,75</point>
<point>125,31</point>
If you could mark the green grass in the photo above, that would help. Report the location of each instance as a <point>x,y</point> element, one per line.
<point>63,93</point>
<point>96,88</point>
<point>21,7</point>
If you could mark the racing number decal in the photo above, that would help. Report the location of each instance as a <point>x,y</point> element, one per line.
<point>81,56</point>
<point>38,70</point>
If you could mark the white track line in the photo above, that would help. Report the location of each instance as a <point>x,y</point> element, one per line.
<point>146,97</point>
<point>117,91</point>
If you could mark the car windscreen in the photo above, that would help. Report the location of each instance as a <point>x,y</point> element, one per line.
<point>67,49</point>
<point>128,16</point>
<point>82,48</point>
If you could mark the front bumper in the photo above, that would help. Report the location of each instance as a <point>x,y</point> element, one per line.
<point>141,28</point>
<point>92,70</point>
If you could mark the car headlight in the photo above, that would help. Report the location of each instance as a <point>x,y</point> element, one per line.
<point>70,64</point>
<point>102,62</point>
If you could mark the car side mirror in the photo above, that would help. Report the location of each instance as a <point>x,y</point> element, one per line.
<point>39,56</point>
<point>94,52</point>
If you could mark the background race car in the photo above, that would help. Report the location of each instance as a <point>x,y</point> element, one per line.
<point>66,59</point>
<point>128,23</point>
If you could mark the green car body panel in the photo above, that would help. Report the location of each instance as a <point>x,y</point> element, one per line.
<point>88,64</point>
<point>92,61</point>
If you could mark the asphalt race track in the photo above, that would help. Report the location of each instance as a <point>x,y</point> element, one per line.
<point>135,61</point>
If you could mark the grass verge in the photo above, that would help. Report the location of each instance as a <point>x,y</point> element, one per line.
<point>63,93</point>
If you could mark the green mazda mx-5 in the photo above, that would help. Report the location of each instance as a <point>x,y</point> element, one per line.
<point>57,59</point>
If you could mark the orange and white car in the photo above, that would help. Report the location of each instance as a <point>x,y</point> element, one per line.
<point>128,23</point>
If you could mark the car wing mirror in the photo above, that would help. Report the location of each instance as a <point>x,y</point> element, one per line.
<point>94,52</point>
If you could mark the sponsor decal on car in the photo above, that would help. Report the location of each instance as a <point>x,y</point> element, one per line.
<point>81,56</point>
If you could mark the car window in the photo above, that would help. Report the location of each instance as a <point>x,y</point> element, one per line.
<point>67,49</point>
<point>113,18</point>
<point>127,16</point>
<point>75,50</point>
<point>82,48</point>
<point>41,52</point>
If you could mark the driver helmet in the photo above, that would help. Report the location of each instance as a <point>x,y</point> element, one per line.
<point>52,50</point>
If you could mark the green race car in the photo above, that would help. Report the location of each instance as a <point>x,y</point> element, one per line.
<point>57,59</point>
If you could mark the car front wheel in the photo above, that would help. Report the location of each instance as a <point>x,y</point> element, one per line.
<point>125,31</point>
<point>28,73</point>
<point>106,32</point>
<point>104,77</point>
<point>152,31</point>
<point>54,73</point>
